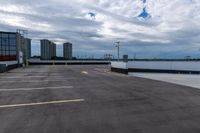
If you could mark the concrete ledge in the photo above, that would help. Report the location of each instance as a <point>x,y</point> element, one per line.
<point>119,70</point>
<point>40,62</point>
<point>183,67</point>
<point>87,63</point>
<point>2,68</point>
<point>46,63</point>
<point>163,71</point>
<point>13,66</point>
<point>126,71</point>
<point>5,68</point>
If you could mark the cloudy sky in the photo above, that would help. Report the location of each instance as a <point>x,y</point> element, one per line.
<point>145,28</point>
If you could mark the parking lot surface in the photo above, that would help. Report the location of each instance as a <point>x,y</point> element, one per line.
<point>91,99</point>
<point>191,80</point>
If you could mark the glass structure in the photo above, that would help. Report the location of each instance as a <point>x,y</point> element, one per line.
<point>8,46</point>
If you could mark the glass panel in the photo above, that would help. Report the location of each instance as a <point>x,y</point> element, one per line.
<point>13,48</point>
<point>7,53</point>
<point>13,52</point>
<point>3,47</point>
<point>13,42</point>
<point>4,35</point>
<point>7,47</point>
<point>3,52</point>
<point>12,35</point>
<point>4,41</point>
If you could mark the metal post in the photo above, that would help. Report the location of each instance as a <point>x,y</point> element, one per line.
<point>118,52</point>
<point>117,49</point>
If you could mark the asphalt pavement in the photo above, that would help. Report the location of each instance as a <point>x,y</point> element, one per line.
<point>91,99</point>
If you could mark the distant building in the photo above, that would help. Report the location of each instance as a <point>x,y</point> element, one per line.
<point>48,49</point>
<point>67,51</point>
<point>13,46</point>
<point>26,48</point>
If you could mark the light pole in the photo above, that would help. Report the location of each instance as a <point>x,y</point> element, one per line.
<point>117,45</point>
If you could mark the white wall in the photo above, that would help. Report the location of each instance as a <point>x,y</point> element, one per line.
<point>159,65</point>
<point>165,65</point>
<point>149,65</point>
<point>122,65</point>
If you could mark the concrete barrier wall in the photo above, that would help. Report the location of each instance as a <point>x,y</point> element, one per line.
<point>165,65</point>
<point>121,65</point>
<point>195,66</point>
<point>157,66</point>
<point>7,65</point>
<point>70,62</point>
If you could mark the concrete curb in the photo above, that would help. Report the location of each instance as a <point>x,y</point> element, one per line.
<point>126,71</point>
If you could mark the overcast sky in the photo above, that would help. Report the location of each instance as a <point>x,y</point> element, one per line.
<point>147,28</point>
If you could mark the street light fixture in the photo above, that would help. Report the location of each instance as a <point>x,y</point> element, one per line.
<point>117,45</point>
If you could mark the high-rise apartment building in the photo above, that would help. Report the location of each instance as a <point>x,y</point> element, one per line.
<point>28,48</point>
<point>67,51</point>
<point>48,49</point>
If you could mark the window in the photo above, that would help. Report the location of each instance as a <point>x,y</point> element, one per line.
<point>12,36</point>
<point>4,41</point>
<point>12,41</point>
<point>13,48</point>
<point>4,35</point>
<point>3,47</point>
<point>3,52</point>
<point>8,47</point>
<point>13,53</point>
<point>7,53</point>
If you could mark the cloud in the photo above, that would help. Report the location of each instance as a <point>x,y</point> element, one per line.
<point>171,25</point>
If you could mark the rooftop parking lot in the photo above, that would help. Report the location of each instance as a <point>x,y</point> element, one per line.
<point>191,80</point>
<point>91,99</point>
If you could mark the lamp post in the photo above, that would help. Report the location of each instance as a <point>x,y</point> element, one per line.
<point>117,45</point>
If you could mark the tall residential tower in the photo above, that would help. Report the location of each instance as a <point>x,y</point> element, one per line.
<point>48,49</point>
<point>67,51</point>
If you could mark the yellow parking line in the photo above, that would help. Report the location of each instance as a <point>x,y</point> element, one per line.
<point>41,103</point>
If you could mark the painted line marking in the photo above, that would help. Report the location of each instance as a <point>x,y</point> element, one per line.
<point>41,88</point>
<point>24,76</point>
<point>84,72</point>
<point>41,103</point>
<point>35,81</point>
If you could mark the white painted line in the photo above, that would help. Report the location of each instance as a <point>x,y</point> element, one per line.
<point>29,81</point>
<point>24,76</point>
<point>41,88</point>
<point>84,72</point>
<point>41,103</point>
